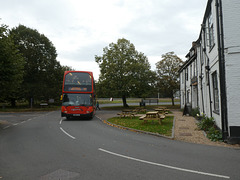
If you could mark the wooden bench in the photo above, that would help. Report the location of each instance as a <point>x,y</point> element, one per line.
<point>122,114</point>
<point>152,116</point>
<point>162,117</point>
<point>153,119</point>
<point>140,110</point>
<point>166,111</point>
<point>142,117</point>
<point>44,105</point>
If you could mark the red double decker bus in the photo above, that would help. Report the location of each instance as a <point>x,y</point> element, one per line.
<point>78,94</point>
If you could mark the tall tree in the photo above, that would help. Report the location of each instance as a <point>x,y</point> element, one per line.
<point>11,67</point>
<point>124,71</point>
<point>167,74</point>
<point>42,70</point>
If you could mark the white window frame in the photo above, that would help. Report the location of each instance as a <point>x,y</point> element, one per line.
<point>215,91</point>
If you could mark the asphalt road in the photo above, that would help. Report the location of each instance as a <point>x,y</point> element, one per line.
<point>45,146</point>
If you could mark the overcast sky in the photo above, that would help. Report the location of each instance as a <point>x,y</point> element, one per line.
<point>80,29</point>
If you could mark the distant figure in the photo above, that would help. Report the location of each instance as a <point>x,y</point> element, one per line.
<point>185,110</point>
<point>142,103</point>
<point>111,99</point>
<point>97,106</point>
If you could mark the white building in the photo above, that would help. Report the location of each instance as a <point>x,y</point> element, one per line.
<point>210,78</point>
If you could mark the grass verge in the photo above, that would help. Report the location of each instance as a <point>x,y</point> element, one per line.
<point>164,129</point>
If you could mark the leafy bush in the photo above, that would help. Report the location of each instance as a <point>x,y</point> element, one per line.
<point>214,134</point>
<point>206,123</point>
<point>194,112</point>
<point>200,117</point>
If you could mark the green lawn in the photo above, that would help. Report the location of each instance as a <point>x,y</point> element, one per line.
<point>164,129</point>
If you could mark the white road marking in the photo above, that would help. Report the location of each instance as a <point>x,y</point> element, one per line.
<point>67,133</point>
<point>1,115</point>
<point>29,119</point>
<point>61,121</point>
<point>98,117</point>
<point>166,166</point>
<point>22,122</point>
<point>6,127</point>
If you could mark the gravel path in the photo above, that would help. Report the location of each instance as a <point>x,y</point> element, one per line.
<point>186,130</point>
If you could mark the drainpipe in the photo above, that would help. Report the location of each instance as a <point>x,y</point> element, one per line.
<point>185,88</point>
<point>222,74</point>
<point>197,76</point>
<point>191,89</point>
<point>209,89</point>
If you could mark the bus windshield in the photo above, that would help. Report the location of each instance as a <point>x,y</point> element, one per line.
<point>78,81</point>
<point>77,100</point>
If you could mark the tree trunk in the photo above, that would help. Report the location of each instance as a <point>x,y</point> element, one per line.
<point>124,101</point>
<point>173,101</point>
<point>13,102</point>
<point>31,102</point>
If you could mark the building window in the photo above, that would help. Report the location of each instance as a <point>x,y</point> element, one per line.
<point>183,98</point>
<point>210,31</point>
<point>194,68</point>
<point>186,76</point>
<point>201,54</point>
<point>191,71</point>
<point>215,91</point>
<point>188,96</point>
<point>183,77</point>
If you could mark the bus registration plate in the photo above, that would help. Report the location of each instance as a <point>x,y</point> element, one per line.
<point>76,114</point>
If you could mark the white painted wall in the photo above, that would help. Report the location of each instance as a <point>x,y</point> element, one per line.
<point>231,24</point>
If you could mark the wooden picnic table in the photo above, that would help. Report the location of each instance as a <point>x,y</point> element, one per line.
<point>159,110</point>
<point>127,113</point>
<point>162,107</point>
<point>153,115</point>
<point>140,109</point>
<point>162,110</point>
